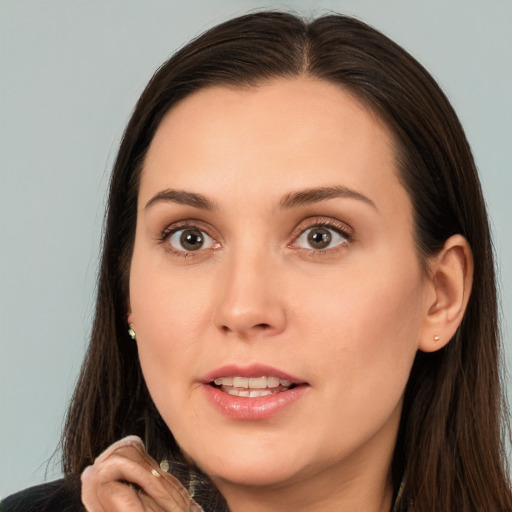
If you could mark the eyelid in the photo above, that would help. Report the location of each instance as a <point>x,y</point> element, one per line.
<point>325,222</point>
<point>171,229</point>
<point>340,227</point>
<point>336,225</point>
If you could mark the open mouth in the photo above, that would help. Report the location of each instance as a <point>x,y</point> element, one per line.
<point>251,387</point>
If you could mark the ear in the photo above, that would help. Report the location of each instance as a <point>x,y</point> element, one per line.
<point>129,316</point>
<point>447,294</point>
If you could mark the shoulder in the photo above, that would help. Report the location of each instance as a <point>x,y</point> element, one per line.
<point>57,496</point>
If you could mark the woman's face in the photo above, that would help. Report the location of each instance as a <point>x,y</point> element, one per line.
<point>274,257</point>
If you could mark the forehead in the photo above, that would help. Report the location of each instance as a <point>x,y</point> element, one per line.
<point>288,133</point>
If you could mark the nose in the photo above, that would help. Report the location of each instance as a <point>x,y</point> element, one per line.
<point>250,302</point>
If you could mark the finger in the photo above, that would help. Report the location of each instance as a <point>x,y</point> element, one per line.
<point>131,464</point>
<point>134,441</point>
<point>89,493</point>
<point>150,504</point>
<point>107,491</point>
<point>162,491</point>
<point>119,497</point>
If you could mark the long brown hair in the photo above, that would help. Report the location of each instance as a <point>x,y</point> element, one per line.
<point>450,451</point>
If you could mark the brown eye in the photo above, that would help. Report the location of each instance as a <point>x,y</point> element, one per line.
<point>189,240</point>
<point>320,238</point>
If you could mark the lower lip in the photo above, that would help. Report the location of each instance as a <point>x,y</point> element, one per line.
<point>256,408</point>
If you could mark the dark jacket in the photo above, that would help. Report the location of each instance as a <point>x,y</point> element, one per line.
<point>57,496</point>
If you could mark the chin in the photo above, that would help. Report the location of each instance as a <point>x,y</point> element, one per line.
<point>245,476</point>
<point>259,468</point>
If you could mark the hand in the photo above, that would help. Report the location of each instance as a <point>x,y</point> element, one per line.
<point>124,478</point>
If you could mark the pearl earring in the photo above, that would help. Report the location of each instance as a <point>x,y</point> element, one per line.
<point>436,337</point>
<point>131,332</point>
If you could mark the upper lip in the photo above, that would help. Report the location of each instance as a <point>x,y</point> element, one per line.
<point>253,370</point>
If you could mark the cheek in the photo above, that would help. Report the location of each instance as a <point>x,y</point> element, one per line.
<point>372,316</point>
<point>167,305</point>
<point>169,316</point>
<point>365,331</point>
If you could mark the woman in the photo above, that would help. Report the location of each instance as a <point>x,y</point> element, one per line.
<point>296,306</point>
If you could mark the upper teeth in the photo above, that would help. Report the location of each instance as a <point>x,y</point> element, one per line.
<point>252,382</point>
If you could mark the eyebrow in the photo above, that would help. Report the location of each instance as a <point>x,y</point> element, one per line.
<point>315,195</point>
<point>182,197</point>
<point>291,200</point>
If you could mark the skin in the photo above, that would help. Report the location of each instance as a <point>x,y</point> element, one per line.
<point>105,486</point>
<point>346,319</point>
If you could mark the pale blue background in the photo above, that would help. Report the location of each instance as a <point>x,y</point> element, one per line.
<point>70,73</point>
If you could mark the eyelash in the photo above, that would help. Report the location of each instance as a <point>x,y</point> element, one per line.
<point>167,233</point>
<point>340,228</point>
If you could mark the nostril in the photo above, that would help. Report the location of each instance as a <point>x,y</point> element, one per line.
<point>262,327</point>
